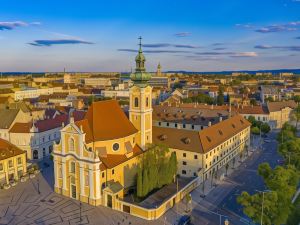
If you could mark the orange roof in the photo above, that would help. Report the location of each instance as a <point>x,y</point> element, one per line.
<point>215,135</point>
<point>8,150</point>
<point>200,141</point>
<point>113,160</point>
<point>105,120</point>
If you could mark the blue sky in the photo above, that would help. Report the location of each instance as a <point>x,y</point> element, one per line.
<point>195,35</point>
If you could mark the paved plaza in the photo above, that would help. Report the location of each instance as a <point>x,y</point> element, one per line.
<point>24,205</point>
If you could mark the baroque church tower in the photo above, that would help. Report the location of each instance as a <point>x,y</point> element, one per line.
<point>140,107</point>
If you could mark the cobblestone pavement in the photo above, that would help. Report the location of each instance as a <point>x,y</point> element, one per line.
<point>24,205</point>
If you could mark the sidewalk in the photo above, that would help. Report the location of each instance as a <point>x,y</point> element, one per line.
<point>207,202</point>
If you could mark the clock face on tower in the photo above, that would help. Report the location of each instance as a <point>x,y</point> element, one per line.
<point>116,146</point>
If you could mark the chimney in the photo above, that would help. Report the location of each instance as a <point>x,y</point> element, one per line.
<point>209,123</point>
<point>220,119</point>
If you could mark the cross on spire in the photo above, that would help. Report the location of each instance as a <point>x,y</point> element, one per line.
<point>140,44</point>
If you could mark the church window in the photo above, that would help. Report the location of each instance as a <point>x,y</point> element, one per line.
<point>116,146</point>
<point>72,167</point>
<point>71,145</point>
<point>136,102</point>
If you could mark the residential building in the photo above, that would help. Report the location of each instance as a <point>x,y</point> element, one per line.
<point>13,163</point>
<point>203,153</point>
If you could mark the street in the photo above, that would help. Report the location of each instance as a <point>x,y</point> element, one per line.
<point>244,178</point>
<point>220,203</point>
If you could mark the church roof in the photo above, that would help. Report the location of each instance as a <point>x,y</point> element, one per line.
<point>105,120</point>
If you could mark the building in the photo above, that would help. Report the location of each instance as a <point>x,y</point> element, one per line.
<point>97,157</point>
<point>38,137</point>
<point>12,162</point>
<point>70,78</point>
<point>97,82</point>
<point>163,82</point>
<point>280,112</point>
<point>8,118</point>
<point>203,153</point>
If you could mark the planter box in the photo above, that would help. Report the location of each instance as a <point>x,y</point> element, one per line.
<point>23,179</point>
<point>6,186</point>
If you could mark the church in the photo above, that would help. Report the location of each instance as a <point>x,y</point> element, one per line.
<point>96,160</point>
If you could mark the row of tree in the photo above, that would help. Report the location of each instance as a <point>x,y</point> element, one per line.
<point>281,183</point>
<point>156,168</point>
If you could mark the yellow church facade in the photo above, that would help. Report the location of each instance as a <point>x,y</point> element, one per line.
<point>97,157</point>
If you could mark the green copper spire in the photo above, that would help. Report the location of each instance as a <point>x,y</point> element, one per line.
<point>140,77</point>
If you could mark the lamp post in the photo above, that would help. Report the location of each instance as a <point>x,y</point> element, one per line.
<point>38,185</point>
<point>262,204</point>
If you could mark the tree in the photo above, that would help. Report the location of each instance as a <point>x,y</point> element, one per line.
<point>252,120</point>
<point>145,189</point>
<point>158,169</point>
<point>247,149</point>
<point>226,167</point>
<point>296,114</point>
<point>220,98</point>
<point>140,182</point>
<point>255,130</point>
<point>297,99</point>
<point>265,128</point>
<point>282,183</point>
<point>233,162</point>
<point>253,206</point>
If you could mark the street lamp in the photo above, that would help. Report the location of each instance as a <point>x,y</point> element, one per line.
<point>38,185</point>
<point>262,205</point>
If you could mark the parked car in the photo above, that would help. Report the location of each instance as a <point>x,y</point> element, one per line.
<point>184,220</point>
<point>281,161</point>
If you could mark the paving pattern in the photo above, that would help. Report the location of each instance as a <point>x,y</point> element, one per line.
<point>24,205</point>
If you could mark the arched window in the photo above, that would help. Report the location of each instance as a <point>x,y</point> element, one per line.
<point>71,145</point>
<point>136,102</point>
<point>72,167</point>
<point>147,102</point>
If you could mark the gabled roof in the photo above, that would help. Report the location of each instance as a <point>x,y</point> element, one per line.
<point>105,120</point>
<point>7,117</point>
<point>8,150</point>
<point>200,141</point>
<point>277,106</point>
<point>112,160</point>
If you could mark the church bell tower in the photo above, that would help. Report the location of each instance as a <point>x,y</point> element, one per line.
<point>140,107</point>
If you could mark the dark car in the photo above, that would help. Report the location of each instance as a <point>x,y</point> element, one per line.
<point>184,220</point>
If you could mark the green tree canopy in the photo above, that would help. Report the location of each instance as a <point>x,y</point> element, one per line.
<point>157,168</point>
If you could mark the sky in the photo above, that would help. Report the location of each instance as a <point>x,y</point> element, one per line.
<point>191,35</point>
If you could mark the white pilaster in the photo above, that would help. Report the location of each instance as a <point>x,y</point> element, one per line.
<point>55,174</point>
<point>81,178</point>
<point>64,173</point>
<point>91,182</point>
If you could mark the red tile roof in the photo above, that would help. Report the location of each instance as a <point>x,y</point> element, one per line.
<point>105,120</point>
